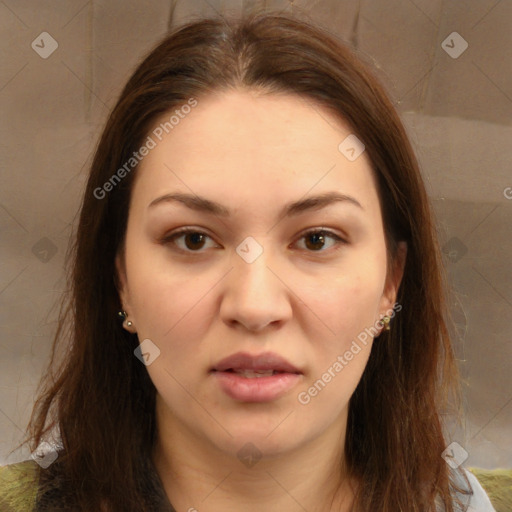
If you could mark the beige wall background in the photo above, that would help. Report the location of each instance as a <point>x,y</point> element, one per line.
<point>63,65</point>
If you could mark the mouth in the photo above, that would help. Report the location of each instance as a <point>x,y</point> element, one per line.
<point>261,378</point>
<point>255,365</point>
<point>253,374</point>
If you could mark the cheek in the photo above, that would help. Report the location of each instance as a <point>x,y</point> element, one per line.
<point>348,304</point>
<point>173,309</point>
<point>349,307</point>
<point>162,295</point>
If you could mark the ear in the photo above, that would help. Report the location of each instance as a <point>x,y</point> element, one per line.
<point>121,281</point>
<point>394,279</point>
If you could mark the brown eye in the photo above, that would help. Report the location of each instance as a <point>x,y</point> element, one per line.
<point>190,240</point>
<point>316,239</point>
<point>194,240</point>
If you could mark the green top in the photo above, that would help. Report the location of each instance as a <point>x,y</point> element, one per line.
<point>19,486</point>
<point>18,489</point>
<point>498,486</point>
<point>25,487</point>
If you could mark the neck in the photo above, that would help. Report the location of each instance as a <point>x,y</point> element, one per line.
<point>198,476</point>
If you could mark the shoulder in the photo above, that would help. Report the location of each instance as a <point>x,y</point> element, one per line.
<point>19,484</point>
<point>468,494</point>
<point>479,501</point>
<point>28,487</point>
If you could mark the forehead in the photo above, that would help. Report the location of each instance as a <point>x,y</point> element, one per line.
<point>242,143</point>
<point>252,123</point>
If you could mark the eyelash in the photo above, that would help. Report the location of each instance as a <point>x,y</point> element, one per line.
<point>326,232</point>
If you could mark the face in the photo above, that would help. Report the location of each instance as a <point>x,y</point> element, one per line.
<point>264,273</point>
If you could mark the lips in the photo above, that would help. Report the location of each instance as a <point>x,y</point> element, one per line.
<point>252,365</point>
<point>260,378</point>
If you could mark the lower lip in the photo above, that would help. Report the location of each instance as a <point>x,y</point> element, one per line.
<point>256,389</point>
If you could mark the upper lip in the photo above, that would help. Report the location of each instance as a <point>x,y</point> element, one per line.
<point>264,361</point>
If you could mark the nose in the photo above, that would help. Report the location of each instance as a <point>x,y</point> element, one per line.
<point>255,295</point>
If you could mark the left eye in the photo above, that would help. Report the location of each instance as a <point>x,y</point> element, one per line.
<point>318,238</point>
<point>195,240</point>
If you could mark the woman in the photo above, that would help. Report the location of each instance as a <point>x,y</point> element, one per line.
<point>256,220</point>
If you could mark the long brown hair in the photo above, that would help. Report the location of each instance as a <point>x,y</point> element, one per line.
<point>100,396</point>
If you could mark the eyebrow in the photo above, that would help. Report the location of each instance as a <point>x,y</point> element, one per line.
<point>202,204</point>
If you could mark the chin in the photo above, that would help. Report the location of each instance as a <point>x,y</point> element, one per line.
<point>258,440</point>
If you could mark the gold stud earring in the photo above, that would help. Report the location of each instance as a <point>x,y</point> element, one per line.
<point>386,321</point>
<point>123,314</point>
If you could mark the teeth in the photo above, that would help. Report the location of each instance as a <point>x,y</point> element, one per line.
<point>250,374</point>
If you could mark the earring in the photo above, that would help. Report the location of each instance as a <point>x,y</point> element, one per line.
<point>386,321</point>
<point>123,314</point>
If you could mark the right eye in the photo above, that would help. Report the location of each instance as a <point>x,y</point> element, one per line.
<point>193,240</point>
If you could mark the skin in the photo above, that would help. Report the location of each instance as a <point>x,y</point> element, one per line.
<point>254,154</point>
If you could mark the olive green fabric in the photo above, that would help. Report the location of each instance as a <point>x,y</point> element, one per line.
<point>25,487</point>
<point>497,483</point>
<point>18,486</point>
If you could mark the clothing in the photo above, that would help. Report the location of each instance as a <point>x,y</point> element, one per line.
<point>25,487</point>
<point>20,491</point>
<point>478,501</point>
